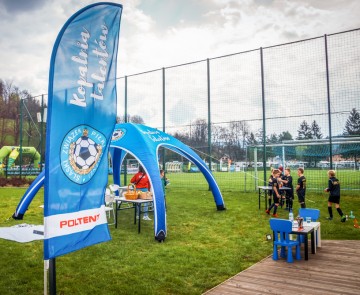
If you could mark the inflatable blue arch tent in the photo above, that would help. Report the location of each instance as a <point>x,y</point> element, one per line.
<point>143,143</point>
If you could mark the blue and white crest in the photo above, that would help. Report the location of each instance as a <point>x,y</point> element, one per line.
<point>81,151</point>
<point>118,134</point>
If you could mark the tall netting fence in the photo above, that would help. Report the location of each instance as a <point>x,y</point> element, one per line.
<point>23,129</point>
<point>295,105</point>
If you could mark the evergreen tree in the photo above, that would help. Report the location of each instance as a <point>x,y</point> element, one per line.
<point>352,125</point>
<point>352,128</point>
<point>315,130</point>
<point>304,131</point>
<point>285,135</point>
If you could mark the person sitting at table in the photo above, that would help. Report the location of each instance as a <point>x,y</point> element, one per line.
<point>275,193</point>
<point>142,183</point>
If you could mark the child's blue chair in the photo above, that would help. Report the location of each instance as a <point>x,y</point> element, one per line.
<point>309,212</point>
<point>314,214</point>
<point>281,229</point>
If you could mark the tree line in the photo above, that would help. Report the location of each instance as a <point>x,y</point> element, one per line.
<point>10,114</point>
<point>231,139</point>
<point>234,138</point>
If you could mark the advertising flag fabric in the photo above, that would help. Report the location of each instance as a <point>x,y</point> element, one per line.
<point>81,118</point>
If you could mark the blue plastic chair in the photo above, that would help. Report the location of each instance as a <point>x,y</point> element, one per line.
<point>308,212</point>
<point>282,228</point>
<point>314,214</point>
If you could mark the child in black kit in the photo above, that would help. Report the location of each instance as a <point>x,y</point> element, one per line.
<point>334,196</point>
<point>288,182</point>
<point>301,187</point>
<point>275,192</point>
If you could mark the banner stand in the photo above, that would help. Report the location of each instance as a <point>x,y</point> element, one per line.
<point>52,276</point>
<point>46,269</point>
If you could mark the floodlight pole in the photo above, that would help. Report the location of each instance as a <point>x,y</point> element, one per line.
<point>328,99</point>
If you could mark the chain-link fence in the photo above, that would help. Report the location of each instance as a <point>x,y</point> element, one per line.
<point>294,104</point>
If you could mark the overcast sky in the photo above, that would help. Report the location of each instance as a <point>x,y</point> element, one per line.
<point>160,33</point>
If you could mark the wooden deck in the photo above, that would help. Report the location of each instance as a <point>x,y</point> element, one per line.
<point>334,269</point>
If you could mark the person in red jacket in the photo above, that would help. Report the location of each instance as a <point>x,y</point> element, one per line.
<point>142,183</point>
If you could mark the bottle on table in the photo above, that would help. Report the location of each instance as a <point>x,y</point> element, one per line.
<point>291,216</point>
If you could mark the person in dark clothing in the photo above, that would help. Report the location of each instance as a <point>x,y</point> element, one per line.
<point>288,182</point>
<point>270,182</point>
<point>301,187</point>
<point>334,195</point>
<point>275,192</point>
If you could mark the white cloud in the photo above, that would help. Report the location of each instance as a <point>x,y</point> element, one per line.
<point>200,29</point>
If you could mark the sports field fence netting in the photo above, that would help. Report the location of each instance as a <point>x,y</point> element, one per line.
<point>295,104</point>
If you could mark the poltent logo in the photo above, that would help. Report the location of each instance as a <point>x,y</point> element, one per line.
<point>81,152</point>
<point>118,134</point>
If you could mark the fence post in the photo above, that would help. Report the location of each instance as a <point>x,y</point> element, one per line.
<point>41,131</point>
<point>209,112</point>
<point>163,111</point>
<point>21,133</point>
<point>263,110</point>
<point>328,100</point>
<point>125,120</point>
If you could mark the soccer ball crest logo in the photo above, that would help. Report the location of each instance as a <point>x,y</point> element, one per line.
<point>84,153</point>
<point>81,152</point>
<point>118,134</point>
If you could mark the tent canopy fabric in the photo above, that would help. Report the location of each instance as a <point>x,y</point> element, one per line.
<point>143,143</point>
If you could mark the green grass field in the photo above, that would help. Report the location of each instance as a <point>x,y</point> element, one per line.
<point>247,181</point>
<point>203,247</point>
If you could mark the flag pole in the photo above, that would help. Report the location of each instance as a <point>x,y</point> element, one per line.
<point>52,276</point>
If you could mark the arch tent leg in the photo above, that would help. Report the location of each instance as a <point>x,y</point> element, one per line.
<point>151,167</point>
<point>117,156</point>
<point>29,196</point>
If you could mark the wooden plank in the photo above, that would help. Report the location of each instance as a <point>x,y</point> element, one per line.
<point>333,269</point>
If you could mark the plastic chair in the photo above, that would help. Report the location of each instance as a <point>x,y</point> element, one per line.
<point>308,212</point>
<point>314,214</point>
<point>281,229</point>
<point>109,205</point>
<point>114,188</point>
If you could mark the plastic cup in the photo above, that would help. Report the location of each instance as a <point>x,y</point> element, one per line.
<point>308,220</point>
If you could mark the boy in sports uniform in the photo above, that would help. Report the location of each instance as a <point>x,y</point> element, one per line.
<point>301,187</point>
<point>270,181</point>
<point>287,181</point>
<point>334,195</point>
<point>275,192</point>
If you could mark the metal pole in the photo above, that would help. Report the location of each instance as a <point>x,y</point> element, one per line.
<point>163,113</point>
<point>125,120</point>
<point>46,269</point>
<point>52,276</point>
<point>209,112</point>
<point>263,109</point>
<point>283,157</point>
<point>255,168</point>
<point>21,135</point>
<point>41,130</point>
<point>328,100</point>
